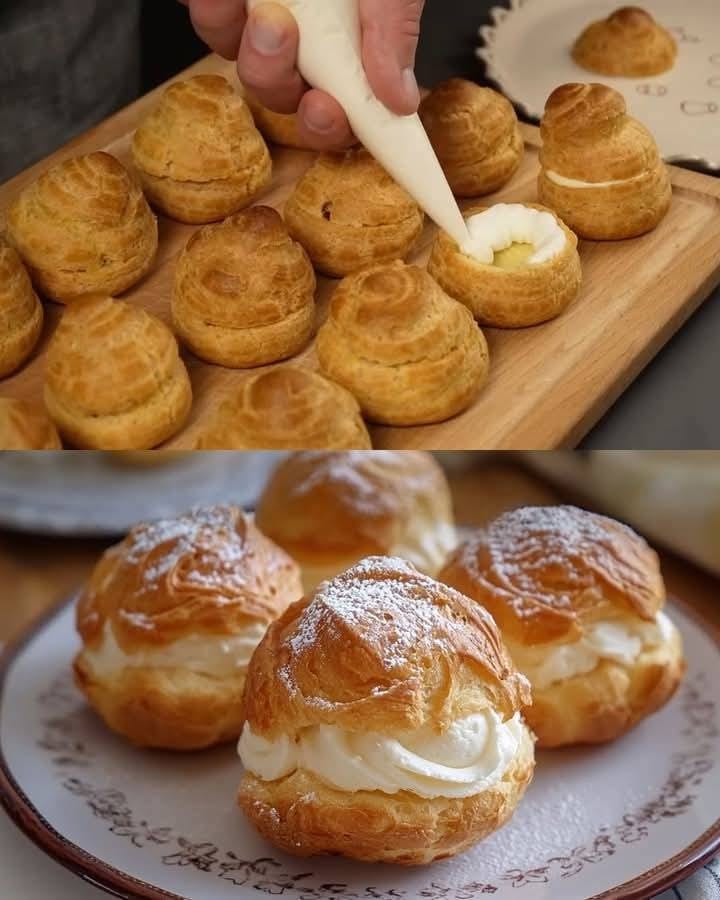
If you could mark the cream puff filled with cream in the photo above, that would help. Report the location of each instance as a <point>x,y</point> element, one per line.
<point>169,621</point>
<point>520,266</point>
<point>578,598</point>
<point>329,509</point>
<point>383,721</point>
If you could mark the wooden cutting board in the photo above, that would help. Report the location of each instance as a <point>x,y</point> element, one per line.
<point>548,384</point>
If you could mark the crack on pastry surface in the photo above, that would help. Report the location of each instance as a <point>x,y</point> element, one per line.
<point>629,43</point>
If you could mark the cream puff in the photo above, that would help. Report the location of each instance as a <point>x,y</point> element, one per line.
<point>383,721</point>
<point>83,227</point>
<point>349,213</point>
<point>244,291</point>
<point>329,510</point>
<point>408,352</point>
<point>278,128</point>
<point>578,599</point>
<point>24,426</point>
<point>628,44</point>
<point>286,408</point>
<point>169,621</point>
<point>601,169</point>
<point>520,267</point>
<point>199,154</point>
<point>475,134</point>
<point>114,379</point>
<point>21,313</point>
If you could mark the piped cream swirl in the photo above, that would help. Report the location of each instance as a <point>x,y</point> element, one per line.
<point>561,180</point>
<point>499,227</point>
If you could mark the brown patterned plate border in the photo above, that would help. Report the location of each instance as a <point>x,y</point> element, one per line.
<point>119,884</point>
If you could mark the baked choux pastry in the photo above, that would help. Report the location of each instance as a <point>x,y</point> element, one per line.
<point>21,313</point>
<point>199,154</point>
<point>83,227</point>
<point>475,134</point>
<point>286,408</point>
<point>26,427</point>
<point>278,128</point>
<point>348,213</point>
<point>601,169</point>
<point>382,721</point>
<point>329,510</point>
<point>114,379</point>
<point>628,44</point>
<point>409,353</point>
<point>170,619</point>
<point>244,291</point>
<point>578,599</point>
<point>520,267</point>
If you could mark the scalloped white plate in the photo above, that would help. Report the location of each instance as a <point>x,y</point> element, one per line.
<point>624,820</point>
<point>527,52</point>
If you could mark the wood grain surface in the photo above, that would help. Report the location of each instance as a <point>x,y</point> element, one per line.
<point>36,572</point>
<point>549,384</point>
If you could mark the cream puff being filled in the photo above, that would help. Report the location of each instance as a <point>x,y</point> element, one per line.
<point>169,621</point>
<point>383,721</point>
<point>330,509</point>
<point>578,599</point>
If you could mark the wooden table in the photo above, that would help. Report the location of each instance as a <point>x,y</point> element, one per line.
<point>36,572</point>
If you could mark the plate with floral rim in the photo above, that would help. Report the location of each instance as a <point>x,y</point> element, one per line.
<point>527,53</point>
<point>623,820</point>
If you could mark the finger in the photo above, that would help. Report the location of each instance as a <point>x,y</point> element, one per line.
<point>267,58</point>
<point>219,23</point>
<point>322,123</point>
<point>390,30</point>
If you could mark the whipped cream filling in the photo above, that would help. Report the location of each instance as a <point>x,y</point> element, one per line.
<point>574,183</point>
<point>218,656</point>
<point>505,224</point>
<point>619,641</point>
<point>471,756</point>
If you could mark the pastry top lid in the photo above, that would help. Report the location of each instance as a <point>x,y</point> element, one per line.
<point>579,107</point>
<point>327,504</point>
<point>458,111</point>
<point>380,648</point>
<point>544,571</point>
<point>25,427</point>
<point>210,571</point>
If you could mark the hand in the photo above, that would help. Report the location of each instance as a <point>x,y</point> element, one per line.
<point>265,45</point>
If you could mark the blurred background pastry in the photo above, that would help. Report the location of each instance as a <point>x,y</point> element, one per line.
<point>169,621</point>
<point>278,128</point>
<point>601,169</point>
<point>83,227</point>
<point>475,134</point>
<point>114,379</point>
<point>199,154</point>
<point>244,291</point>
<point>382,722</point>
<point>329,510</point>
<point>289,408</point>
<point>26,426</point>
<point>408,352</point>
<point>578,599</point>
<point>348,213</point>
<point>520,268</point>
<point>21,313</point>
<point>629,43</point>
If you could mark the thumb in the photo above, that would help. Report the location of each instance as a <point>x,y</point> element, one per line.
<point>390,31</point>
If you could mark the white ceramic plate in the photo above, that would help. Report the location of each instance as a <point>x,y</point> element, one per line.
<point>624,820</point>
<point>527,52</point>
<point>81,493</point>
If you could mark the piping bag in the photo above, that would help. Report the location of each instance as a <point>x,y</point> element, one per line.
<point>330,59</point>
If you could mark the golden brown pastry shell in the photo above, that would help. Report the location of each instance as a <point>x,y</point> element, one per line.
<point>21,313</point>
<point>628,44</point>
<point>83,227</point>
<point>349,213</point>
<point>475,134</point>
<point>508,299</point>
<point>244,291</point>
<point>199,154</point>
<point>287,408</point>
<point>26,427</point>
<point>278,128</point>
<point>114,379</point>
<point>410,354</point>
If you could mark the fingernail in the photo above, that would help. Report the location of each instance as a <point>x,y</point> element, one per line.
<point>410,86</point>
<point>266,35</point>
<point>318,119</point>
